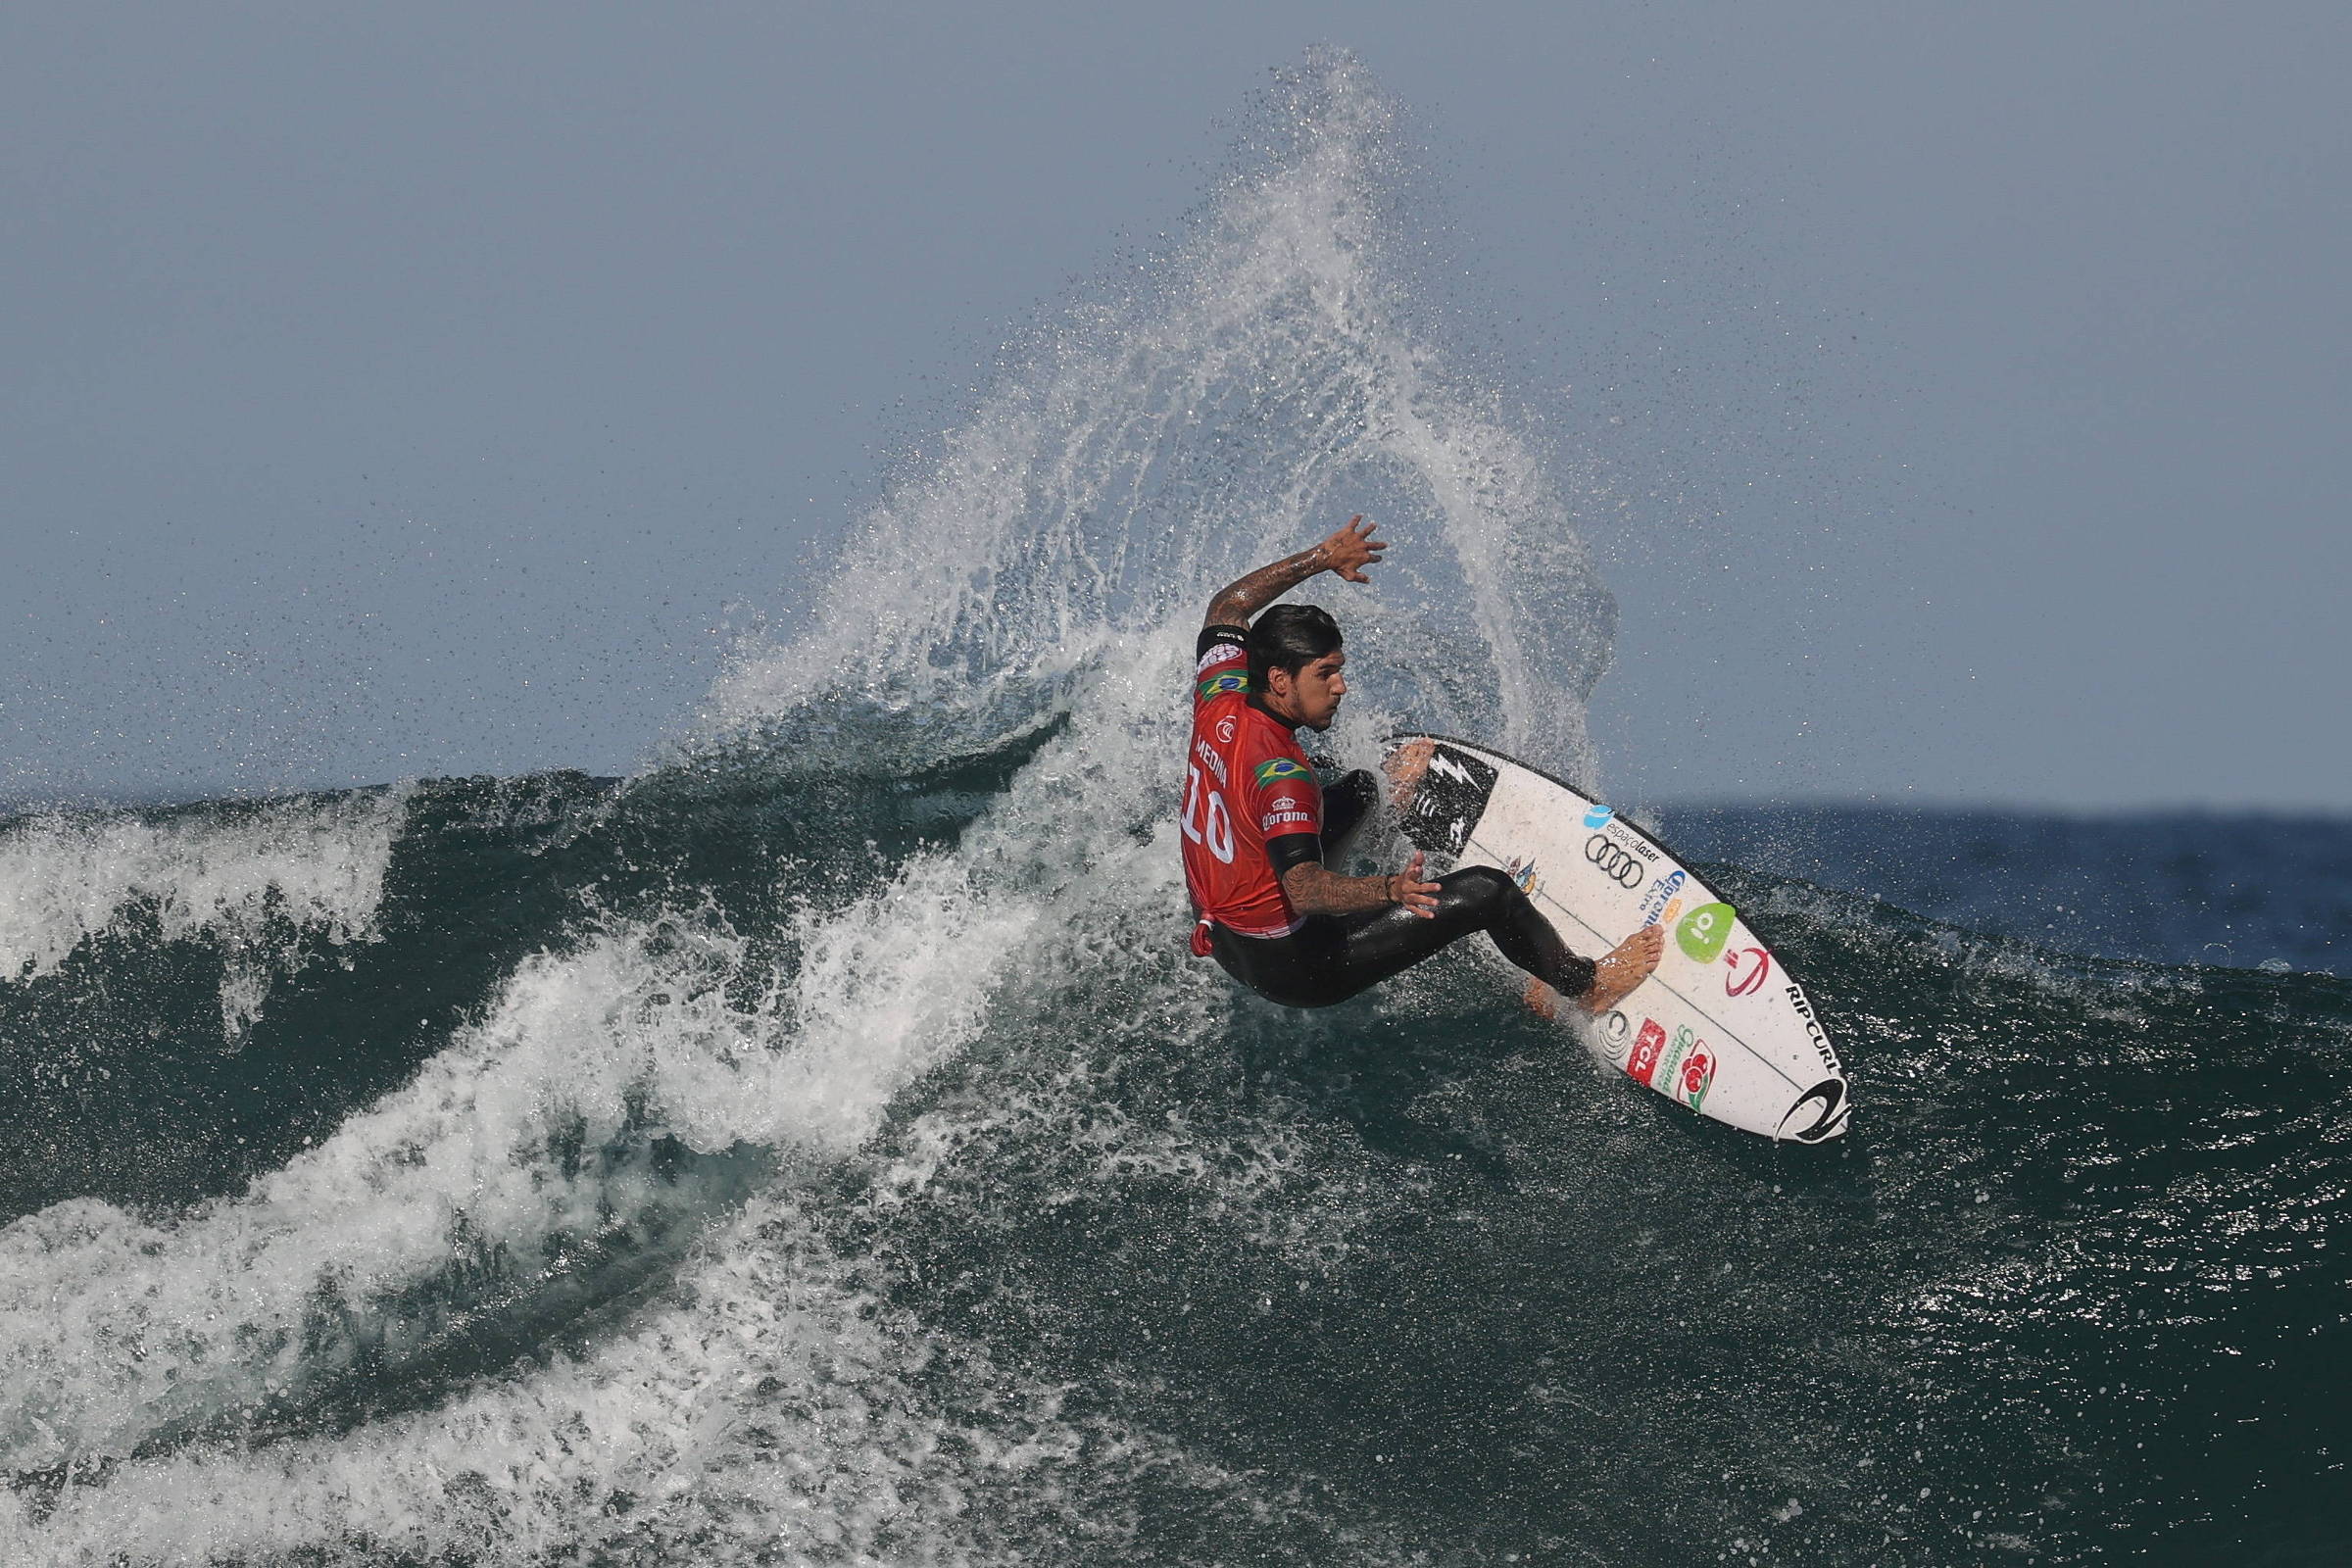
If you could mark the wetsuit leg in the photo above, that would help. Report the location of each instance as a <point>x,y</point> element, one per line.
<point>1347,806</point>
<point>1331,959</point>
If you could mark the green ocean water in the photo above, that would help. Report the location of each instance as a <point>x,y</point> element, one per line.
<point>1410,1280</point>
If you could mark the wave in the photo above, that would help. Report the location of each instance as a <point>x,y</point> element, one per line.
<point>950,1212</point>
<point>779,1411</point>
<point>821,1147</point>
<point>258,881</point>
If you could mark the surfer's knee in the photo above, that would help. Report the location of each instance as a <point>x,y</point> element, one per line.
<point>1347,805</point>
<point>1478,889</point>
<point>1357,789</point>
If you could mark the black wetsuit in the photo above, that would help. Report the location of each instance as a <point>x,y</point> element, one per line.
<point>1331,957</point>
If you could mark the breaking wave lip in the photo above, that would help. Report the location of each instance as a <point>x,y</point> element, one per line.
<point>256,881</point>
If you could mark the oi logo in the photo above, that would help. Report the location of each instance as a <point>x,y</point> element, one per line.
<point>1704,931</point>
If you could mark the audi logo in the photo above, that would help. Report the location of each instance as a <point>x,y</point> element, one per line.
<point>1615,863</point>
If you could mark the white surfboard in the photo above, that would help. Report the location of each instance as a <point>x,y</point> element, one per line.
<point>1721,1027</point>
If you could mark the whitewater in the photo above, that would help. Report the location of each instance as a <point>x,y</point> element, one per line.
<point>819,1147</point>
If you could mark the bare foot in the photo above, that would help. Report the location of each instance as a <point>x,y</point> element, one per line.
<point>1627,964</point>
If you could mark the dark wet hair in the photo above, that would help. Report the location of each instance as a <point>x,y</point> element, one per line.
<point>1289,637</point>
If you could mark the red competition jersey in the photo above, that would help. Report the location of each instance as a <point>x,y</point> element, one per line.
<point>1244,783</point>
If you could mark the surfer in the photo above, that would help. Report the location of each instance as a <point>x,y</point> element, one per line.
<point>1258,829</point>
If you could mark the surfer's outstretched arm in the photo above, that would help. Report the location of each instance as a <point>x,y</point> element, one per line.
<point>1347,551</point>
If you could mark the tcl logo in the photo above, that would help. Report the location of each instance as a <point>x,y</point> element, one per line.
<point>1648,1045</point>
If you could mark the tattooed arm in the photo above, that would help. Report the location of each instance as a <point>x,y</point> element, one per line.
<point>1314,889</point>
<point>1347,551</point>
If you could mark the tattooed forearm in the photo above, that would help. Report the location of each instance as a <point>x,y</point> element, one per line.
<point>1347,551</point>
<point>1315,889</point>
<point>1237,602</point>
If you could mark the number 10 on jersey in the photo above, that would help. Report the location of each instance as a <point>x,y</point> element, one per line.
<point>1210,827</point>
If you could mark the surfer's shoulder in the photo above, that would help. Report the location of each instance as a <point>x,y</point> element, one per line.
<point>1221,634</point>
<point>1220,669</point>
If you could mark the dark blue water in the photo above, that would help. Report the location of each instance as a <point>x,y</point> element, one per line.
<point>2194,887</point>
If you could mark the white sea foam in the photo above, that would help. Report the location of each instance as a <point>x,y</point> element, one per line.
<point>114,1327</point>
<point>254,880</point>
<point>767,1406</point>
<point>776,1411</point>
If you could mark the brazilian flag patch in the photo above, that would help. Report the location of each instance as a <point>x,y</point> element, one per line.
<point>1232,680</point>
<point>1275,767</point>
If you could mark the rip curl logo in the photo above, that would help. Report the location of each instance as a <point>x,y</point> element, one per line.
<point>1827,1121</point>
<point>1274,768</point>
<point>1232,680</point>
<point>1225,730</point>
<point>1813,1030</point>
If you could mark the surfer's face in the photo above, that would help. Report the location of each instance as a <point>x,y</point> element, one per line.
<point>1310,695</point>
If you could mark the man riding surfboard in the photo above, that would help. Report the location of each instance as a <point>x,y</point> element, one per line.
<point>1257,826</point>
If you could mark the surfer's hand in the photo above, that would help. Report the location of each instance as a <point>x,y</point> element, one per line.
<point>1627,964</point>
<point>1405,767</point>
<point>1406,888</point>
<point>1349,550</point>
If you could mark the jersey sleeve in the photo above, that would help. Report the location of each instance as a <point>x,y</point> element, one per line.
<point>1293,848</point>
<point>1221,663</point>
<point>1285,799</point>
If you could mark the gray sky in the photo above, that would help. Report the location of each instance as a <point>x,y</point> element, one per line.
<point>412,389</point>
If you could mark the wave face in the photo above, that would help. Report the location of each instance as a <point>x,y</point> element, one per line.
<point>819,1149</point>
